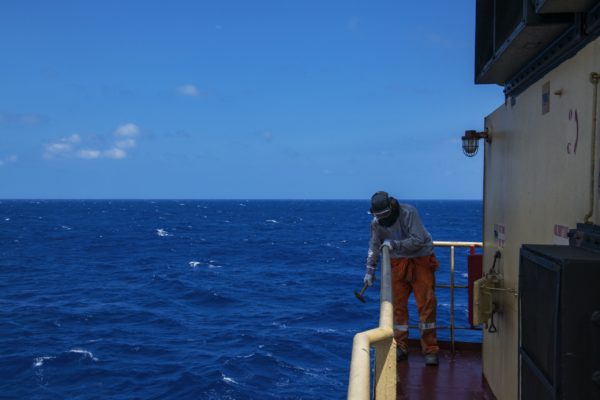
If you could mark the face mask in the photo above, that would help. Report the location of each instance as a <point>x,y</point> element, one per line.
<point>389,220</point>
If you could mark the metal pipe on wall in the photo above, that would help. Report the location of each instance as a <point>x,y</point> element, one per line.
<point>594,78</point>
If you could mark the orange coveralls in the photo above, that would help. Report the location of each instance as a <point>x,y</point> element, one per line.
<point>413,270</point>
<point>415,275</point>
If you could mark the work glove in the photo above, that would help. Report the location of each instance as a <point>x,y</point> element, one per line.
<point>389,244</point>
<point>369,279</point>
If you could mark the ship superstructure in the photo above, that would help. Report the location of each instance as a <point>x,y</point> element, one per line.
<point>541,201</point>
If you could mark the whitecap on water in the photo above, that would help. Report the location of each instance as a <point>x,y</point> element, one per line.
<point>326,330</point>
<point>162,233</point>
<point>273,221</point>
<point>85,353</point>
<point>211,264</point>
<point>228,379</point>
<point>39,361</point>
<point>66,228</point>
<point>7,219</point>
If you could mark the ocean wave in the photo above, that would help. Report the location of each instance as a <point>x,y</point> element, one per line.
<point>39,361</point>
<point>228,379</point>
<point>325,330</point>
<point>153,309</point>
<point>211,264</point>
<point>162,233</point>
<point>84,353</point>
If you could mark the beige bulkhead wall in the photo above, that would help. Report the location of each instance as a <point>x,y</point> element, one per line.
<point>534,180</point>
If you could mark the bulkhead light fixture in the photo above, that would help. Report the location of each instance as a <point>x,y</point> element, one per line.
<point>470,141</point>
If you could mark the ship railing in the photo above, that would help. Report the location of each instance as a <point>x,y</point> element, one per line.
<point>452,327</point>
<point>385,347</point>
<point>382,338</point>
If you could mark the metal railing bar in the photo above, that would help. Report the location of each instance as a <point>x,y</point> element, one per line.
<point>452,286</point>
<point>455,286</point>
<point>448,327</point>
<point>382,337</point>
<point>457,244</point>
<point>452,298</point>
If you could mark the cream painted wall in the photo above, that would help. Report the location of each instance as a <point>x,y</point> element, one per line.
<point>531,184</point>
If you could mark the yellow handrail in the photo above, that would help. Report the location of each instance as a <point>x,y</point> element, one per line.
<point>383,337</point>
<point>385,347</point>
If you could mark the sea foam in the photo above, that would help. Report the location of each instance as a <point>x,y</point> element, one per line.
<point>39,361</point>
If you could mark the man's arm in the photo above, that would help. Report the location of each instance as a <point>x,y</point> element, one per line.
<point>373,253</point>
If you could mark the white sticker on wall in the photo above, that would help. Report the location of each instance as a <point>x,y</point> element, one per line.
<point>561,234</point>
<point>499,235</point>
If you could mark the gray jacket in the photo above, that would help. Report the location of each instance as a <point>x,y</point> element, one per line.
<point>409,236</point>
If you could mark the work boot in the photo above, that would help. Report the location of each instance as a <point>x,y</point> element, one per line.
<point>431,359</point>
<point>401,354</point>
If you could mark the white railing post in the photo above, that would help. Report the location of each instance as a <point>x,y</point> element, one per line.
<point>385,347</point>
<point>452,299</point>
<point>385,350</point>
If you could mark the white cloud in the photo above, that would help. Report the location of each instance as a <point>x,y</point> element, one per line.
<point>88,154</point>
<point>57,149</point>
<point>73,146</point>
<point>115,153</point>
<point>63,147</point>
<point>188,90</point>
<point>8,160</point>
<point>127,130</point>
<point>72,139</point>
<point>125,143</point>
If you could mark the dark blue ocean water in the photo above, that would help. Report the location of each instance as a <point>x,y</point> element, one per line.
<point>195,299</point>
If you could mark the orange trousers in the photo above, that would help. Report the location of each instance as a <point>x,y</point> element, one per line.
<point>415,275</point>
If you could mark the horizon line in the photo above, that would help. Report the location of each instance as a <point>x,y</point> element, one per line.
<point>216,199</point>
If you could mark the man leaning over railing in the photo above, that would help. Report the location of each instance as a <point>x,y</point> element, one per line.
<point>399,227</point>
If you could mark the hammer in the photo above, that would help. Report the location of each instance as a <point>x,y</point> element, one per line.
<point>360,295</point>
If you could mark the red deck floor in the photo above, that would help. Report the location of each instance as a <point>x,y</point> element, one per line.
<point>458,376</point>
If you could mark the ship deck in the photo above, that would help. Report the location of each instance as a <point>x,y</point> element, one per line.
<point>458,376</point>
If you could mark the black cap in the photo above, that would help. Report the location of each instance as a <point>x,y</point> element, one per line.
<point>380,202</point>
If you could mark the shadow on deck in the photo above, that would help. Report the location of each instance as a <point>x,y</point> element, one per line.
<point>458,376</point>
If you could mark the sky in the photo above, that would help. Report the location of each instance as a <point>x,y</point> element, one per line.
<point>243,99</point>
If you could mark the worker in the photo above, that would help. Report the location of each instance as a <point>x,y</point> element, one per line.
<point>399,228</point>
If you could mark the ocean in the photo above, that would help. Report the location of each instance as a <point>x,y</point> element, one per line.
<point>196,299</point>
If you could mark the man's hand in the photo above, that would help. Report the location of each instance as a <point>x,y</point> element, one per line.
<point>389,244</point>
<point>369,279</point>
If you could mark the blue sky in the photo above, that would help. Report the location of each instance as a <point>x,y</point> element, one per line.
<point>239,99</point>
